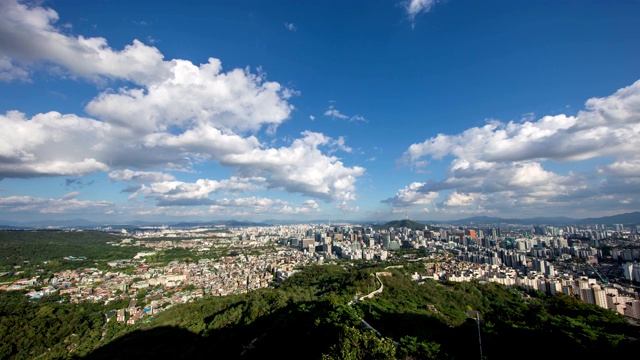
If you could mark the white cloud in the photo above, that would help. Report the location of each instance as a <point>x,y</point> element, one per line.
<point>181,193</point>
<point>71,195</point>
<point>308,206</point>
<point>196,96</point>
<point>172,115</point>
<point>289,26</point>
<point>347,207</point>
<point>139,176</point>
<point>300,168</point>
<point>334,113</point>
<point>416,7</point>
<point>202,142</point>
<point>505,163</point>
<point>412,195</point>
<point>259,205</point>
<point>10,72</point>
<point>56,144</point>
<point>340,143</point>
<point>460,199</point>
<point>50,144</point>
<point>29,36</point>
<point>608,126</point>
<point>623,169</point>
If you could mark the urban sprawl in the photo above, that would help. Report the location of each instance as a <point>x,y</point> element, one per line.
<point>596,263</point>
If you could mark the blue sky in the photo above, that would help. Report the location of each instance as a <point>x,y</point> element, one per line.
<point>354,110</point>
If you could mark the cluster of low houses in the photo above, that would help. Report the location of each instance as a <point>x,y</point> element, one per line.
<point>165,286</point>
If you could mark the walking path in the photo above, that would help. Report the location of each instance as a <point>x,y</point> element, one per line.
<point>372,294</point>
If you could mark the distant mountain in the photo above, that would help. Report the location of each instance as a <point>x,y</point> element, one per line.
<point>549,220</point>
<point>632,218</point>
<point>282,222</point>
<point>316,221</point>
<point>228,223</point>
<point>528,221</point>
<point>478,220</point>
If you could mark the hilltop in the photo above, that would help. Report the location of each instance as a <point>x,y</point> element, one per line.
<point>397,224</point>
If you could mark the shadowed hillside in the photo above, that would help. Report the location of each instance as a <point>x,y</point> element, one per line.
<point>312,315</point>
<point>308,317</point>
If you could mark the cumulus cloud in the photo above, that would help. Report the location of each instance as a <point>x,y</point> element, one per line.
<point>308,206</point>
<point>412,195</point>
<point>623,169</point>
<point>197,96</point>
<point>51,144</point>
<point>171,115</point>
<point>291,27</point>
<point>181,193</point>
<point>300,168</point>
<point>503,164</point>
<point>459,199</point>
<point>28,35</point>
<point>607,126</point>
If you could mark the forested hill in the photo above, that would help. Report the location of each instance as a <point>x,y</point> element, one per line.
<point>309,317</point>
<point>397,224</point>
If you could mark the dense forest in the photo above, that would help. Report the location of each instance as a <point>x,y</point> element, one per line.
<point>46,327</point>
<point>311,316</point>
<point>47,249</point>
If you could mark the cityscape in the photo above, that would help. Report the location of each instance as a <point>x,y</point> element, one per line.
<point>401,179</point>
<point>598,264</point>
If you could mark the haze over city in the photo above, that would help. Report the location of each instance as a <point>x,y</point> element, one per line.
<point>254,110</point>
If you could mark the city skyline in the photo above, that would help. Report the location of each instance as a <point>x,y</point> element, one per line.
<point>190,111</point>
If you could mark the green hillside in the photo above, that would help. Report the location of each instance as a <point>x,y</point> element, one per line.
<point>397,224</point>
<point>309,317</point>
